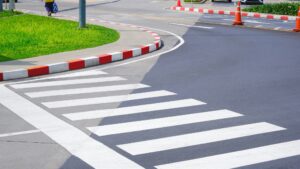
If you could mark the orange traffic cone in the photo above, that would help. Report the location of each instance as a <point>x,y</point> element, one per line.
<point>297,29</point>
<point>179,3</point>
<point>238,15</point>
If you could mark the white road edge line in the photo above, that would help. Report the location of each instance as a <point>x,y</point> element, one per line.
<point>19,133</point>
<point>192,26</point>
<point>78,143</point>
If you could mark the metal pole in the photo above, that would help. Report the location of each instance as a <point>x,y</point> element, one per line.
<point>1,5</point>
<point>11,5</point>
<point>82,14</point>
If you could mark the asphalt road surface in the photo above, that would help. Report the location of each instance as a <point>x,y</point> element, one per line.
<point>214,97</point>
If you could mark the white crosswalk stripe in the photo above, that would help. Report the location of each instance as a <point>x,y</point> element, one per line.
<point>133,109</point>
<point>66,82</point>
<point>87,90</point>
<point>192,139</point>
<point>162,122</point>
<point>240,158</point>
<point>78,74</point>
<point>109,99</point>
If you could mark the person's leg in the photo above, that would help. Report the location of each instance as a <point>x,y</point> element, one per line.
<point>48,8</point>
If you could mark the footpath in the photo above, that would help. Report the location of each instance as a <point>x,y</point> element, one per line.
<point>134,41</point>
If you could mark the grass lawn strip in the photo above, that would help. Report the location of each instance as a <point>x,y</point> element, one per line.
<point>276,8</point>
<point>28,36</point>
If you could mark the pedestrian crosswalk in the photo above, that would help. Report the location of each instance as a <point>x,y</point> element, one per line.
<point>161,106</point>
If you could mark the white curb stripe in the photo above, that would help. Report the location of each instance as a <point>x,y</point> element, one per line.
<point>133,109</point>
<point>162,122</point>
<point>198,138</point>
<point>64,92</point>
<point>109,99</point>
<point>240,158</point>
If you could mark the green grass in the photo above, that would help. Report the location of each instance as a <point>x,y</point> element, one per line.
<point>276,8</point>
<point>26,36</point>
<point>8,13</point>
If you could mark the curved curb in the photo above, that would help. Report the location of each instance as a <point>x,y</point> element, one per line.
<point>81,63</point>
<point>246,14</point>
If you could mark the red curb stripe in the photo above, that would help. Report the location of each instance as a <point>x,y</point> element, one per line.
<point>157,45</point>
<point>191,9</point>
<point>106,58</point>
<point>256,15</point>
<point>270,16</point>
<point>76,64</point>
<point>232,13</point>
<point>284,18</point>
<point>182,8</point>
<point>127,54</point>
<point>38,70</point>
<point>200,10</point>
<point>210,11</point>
<point>221,12</point>
<point>244,14</point>
<point>1,76</point>
<point>145,50</point>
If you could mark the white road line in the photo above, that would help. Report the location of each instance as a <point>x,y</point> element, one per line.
<point>249,21</point>
<point>162,122</point>
<point>109,99</point>
<point>192,26</point>
<point>133,109</point>
<point>198,138</point>
<point>79,144</point>
<point>66,82</point>
<point>19,133</point>
<point>78,74</point>
<point>240,158</point>
<point>63,92</point>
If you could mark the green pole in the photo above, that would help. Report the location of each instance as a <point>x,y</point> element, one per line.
<point>11,5</point>
<point>82,14</point>
<point>1,5</point>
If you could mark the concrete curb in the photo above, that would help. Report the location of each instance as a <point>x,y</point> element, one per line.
<point>222,12</point>
<point>81,63</point>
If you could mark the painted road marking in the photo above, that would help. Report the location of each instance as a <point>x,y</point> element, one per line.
<point>240,158</point>
<point>109,99</point>
<point>66,82</point>
<point>162,122</point>
<point>19,133</point>
<point>78,143</point>
<point>64,92</point>
<point>198,138</point>
<point>249,21</point>
<point>78,74</point>
<point>133,109</point>
<point>192,26</point>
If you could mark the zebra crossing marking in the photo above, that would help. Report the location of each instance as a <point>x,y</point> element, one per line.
<point>109,99</point>
<point>162,122</point>
<point>86,90</point>
<point>133,109</point>
<point>204,137</point>
<point>240,158</point>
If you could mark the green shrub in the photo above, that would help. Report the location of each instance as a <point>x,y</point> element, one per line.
<point>194,1</point>
<point>276,8</point>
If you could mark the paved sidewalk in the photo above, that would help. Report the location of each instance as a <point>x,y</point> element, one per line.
<point>129,38</point>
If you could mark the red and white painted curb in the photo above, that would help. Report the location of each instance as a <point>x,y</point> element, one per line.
<point>246,14</point>
<point>87,61</point>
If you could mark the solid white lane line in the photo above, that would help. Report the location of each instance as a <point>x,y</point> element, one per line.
<point>198,138</point>
<point>63,92</point>
<point>79,144</point>
<point>162,122</point>
<point>19,133</point>
<point>192,26</point>
<point>133,109</point>
<point>240,158</point>
<point>109,99</point>
<point>66,82</point>
<point>79,74</point>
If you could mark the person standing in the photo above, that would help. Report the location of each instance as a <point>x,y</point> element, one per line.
<point>49,6</point>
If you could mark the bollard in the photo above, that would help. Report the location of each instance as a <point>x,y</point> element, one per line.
<point>1,5</point>
<point>82,14</point>
<point>238,15</point>
<point>297,28</point>
<point>11,6</point>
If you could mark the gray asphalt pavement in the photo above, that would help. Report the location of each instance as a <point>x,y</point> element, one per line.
<point>228,97</point>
